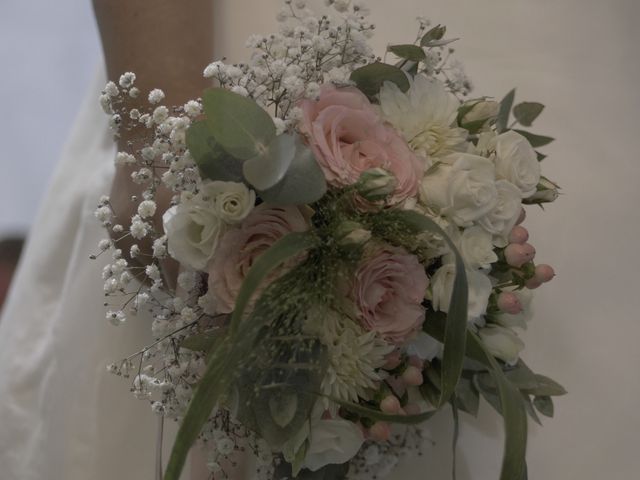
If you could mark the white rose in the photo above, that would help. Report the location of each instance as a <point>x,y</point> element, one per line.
<point>504,215</point>
<point>502,343</point>
<point>525,296</point>
<point>332,441</point>
<point>232,201</point>
<point>463,190</point>
<point>479,290</point>
<point>516,161</point>
<point>192,234</point>
<point>476,248</point>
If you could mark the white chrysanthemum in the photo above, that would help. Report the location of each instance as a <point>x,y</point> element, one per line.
<point>425,115</point>
<point>354,357</point>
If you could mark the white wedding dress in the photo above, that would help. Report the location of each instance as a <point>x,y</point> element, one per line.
<point>63,417</point>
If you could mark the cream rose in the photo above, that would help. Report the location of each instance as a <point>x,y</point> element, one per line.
<point>516,161</point>
<point>233,201</point>
<point>462,189</point>
<point>479,291</point>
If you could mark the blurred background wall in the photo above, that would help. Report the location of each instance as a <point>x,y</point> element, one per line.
<point>48,52</point>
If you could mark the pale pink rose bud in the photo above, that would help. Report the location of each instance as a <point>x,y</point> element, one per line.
<point>393,359</point>
<point>544,273</point>
<point>532,283</point>
<point>351,233</point>
<point>376,184</point>
<point>412,376</point>
<point>508,303</point>
<point>518,235</point>
<point>523,215</point>
<point>412,409</point>
<point>517,255</point>
<point>380,431</point>
<point>390,404</point>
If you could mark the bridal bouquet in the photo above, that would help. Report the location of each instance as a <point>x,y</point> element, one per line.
<point>351,253</point>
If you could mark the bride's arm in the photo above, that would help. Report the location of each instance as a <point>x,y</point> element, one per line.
<point>167,44</point>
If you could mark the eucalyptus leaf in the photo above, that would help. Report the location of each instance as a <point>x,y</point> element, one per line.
<point>536,141</point>
<point>505,109</point>
<point>408,52</point>
<point>212,160</point>
<point>302,183</point>
<point>527,112</point>
<point>370,78</point>
<point>515,419</point>
<point>455,332</point>
<point>436,33</point>
<point>541,156</point>
<point>239,124</point>
<point>544,405</point>
<point>267,169</point>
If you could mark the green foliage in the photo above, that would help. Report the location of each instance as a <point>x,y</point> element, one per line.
<point>214,163</point>
<point>433,35</point>
<point>527,112</point>
<point>328,472</point>
<point>377,415</point>
<point>239,124</point>
<point>370,78</point>
<point>515,419</point>
<point>202,342</point>
<point>408,52</point>
<point>232,351</point>
<point>288,174</point>
<point>536,141</point>
<point>505,109</point>
<point>544,405</point>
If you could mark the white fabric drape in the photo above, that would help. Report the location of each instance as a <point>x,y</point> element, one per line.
<point>62,417</point>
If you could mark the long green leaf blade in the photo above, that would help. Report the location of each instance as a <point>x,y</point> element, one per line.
<point>515,419</point>
<point>455,334</point>
<point>505,109</point>
<point>229,352</point>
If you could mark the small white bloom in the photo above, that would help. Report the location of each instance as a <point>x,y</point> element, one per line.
<point>192,108</point>
<point>479,290</point>
<point>502,343</point>
<point>104,244</point>
<point>116,317</point>
<point>476,248</point>
<point>240,90</point>
<point>111,89</point>
<point>124,158</point>
<point>134,92</point>
<point>212,70</point>
<point>127,79</point>
<point>160,247</point>
<point>147,208</point>
<point>152,271</point>
<point>160,114</point>
<point>232,201</point>
<point>103,214</point>
<point>156,96</point>
<point>503,217</point>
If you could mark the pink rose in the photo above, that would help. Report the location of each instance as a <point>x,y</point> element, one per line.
<point>240,247</point>
<point>348,137</point>
<point>388,290</point>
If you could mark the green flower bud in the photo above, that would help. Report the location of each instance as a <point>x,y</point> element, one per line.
<point>546,192</point>
<point>376,184</point>
<point>351,233</point>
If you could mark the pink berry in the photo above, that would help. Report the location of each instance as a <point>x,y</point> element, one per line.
<point>416,361</point>
<point>412,376</point>
<point>517,255</point>
<point>518,235</point>
<point>544,273</point>
<point>380,431</point>
<point>508,302</point>
<point>532,283</point>
<point>390,404</point>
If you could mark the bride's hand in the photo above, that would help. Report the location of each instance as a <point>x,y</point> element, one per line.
<point>167,44</point>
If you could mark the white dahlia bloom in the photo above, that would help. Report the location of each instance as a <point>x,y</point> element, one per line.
<point>425,115</point>
<point>354,358</point>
